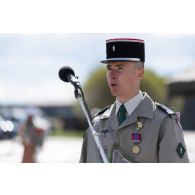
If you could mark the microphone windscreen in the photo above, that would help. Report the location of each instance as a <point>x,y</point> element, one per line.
<point>65,72</point>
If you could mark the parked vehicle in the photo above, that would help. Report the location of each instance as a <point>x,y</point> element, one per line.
<point>7,129</point>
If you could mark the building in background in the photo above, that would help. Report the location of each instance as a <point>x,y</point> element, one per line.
<point>184,85</point>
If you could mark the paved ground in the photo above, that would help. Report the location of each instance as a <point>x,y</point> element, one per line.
<point>60,149</point>
<point>190,142</point>
<point>55,149</point>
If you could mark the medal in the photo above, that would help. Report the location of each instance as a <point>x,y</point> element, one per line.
<point>136,138</point>
<point>136,149</point>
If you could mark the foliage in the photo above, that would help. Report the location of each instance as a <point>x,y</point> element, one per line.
<point>97,92</point>
<point>154,85</point>
<point>177,102</point>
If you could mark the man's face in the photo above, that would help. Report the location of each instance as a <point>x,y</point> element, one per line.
<point>123,79</point>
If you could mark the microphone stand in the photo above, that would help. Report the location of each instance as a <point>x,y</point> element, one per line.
<point>80,96</point>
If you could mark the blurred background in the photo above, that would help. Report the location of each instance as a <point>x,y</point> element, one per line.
<point>29,65</point>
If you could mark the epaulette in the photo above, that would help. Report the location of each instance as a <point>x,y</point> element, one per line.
<point>165,109</point>
<point>102,111</point>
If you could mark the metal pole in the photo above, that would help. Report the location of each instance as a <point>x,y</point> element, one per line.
<point>79,95</point>
<point>94,133</point>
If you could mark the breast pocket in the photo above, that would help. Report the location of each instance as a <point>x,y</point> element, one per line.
<point>112,148</point>
<point>109,139</point>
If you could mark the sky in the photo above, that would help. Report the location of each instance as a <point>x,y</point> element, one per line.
<point>29,63</point>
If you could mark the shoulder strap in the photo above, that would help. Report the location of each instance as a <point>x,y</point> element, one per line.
<point>166,110</point>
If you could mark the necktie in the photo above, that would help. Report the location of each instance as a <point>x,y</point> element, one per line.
<point>121,114</point>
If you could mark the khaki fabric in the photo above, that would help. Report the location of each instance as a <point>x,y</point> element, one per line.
<point>161,136</point>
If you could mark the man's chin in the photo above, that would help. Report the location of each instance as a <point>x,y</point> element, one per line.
<point>115,94</point>
<point>115,91</point>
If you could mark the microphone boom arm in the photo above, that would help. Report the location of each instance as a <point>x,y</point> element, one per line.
<point>80,96</point>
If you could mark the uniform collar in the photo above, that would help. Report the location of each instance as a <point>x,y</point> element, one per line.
<point>108,112</point>
<point>131,104</point>
<point>144,109</point>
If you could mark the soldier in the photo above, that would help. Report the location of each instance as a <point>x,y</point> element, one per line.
<point>134,128</point>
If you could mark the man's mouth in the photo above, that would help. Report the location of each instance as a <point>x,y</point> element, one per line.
<point>113,84</point>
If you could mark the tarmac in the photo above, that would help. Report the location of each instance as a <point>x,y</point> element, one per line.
<point>65,149</point>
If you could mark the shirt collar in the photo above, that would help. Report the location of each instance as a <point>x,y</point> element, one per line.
<point>131,104</point>
<point>144,109</point>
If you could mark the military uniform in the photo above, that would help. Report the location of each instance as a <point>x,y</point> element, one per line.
<point>152,133</point>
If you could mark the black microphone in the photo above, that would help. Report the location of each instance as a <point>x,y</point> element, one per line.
<point>66,74</point>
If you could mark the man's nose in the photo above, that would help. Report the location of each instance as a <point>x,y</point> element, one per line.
<point>113,73</point>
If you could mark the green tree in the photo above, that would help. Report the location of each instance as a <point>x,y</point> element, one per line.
<point>154,85</point>
<point>96,90</point>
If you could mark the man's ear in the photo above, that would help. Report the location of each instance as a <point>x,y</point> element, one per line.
<point>140,73</point>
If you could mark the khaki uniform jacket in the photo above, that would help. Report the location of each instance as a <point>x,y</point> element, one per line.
<point>161,136</point>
